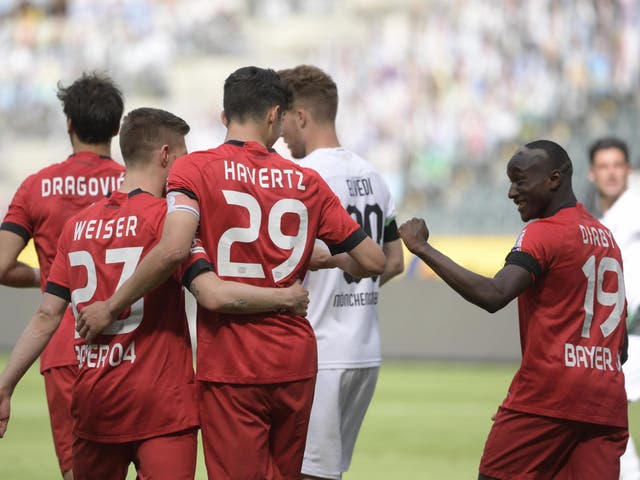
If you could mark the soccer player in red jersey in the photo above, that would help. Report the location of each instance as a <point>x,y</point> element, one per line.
<point>43,203</point>
<point>134,399</point>
<point>259,216</point>
<point>565,415</point>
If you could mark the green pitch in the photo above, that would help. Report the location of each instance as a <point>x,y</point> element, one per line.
<point>427,421</point>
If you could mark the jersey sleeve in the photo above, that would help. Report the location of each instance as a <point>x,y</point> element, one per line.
<point>184,178</point>
<point>58,282</point>
<point>533,249</point>
<point>18,218</point>
<point>390,226</point>
<point>197,263</point>
<point>337,228</point>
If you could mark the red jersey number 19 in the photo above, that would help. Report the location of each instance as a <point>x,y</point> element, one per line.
<point>595,291</point>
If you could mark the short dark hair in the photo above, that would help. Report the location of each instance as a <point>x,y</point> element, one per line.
<point>250,92</point>
<point>558,156</point>
<point>608,142</point>
<point>144,129</point>
<point>315,89</point>
<point>94,105</point>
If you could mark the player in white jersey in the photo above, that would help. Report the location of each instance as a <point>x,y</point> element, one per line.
<point>618,205</point>
<point>343,308</point>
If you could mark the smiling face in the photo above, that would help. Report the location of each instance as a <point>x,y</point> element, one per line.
<point>532,183</point>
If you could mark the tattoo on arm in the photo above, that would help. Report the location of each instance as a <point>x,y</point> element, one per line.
<point>238,306</point>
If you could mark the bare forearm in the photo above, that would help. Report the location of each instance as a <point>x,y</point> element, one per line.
<point>389,274</point>
<point>475,288</point>
<point>21,275</point>
<point>237,298</point>
<point>394,254</point>
<point>344,262</point>
<point>30,345</point>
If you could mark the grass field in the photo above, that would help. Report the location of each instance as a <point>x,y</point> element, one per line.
<point>427,421</point>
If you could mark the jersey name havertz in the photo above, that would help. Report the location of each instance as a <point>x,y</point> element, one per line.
<point>264,177</point>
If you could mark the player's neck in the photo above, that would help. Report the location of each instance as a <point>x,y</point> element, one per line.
<point>103,149</point>
<point>143,180</point>
<point>322,138</point>
<point>248,132</point>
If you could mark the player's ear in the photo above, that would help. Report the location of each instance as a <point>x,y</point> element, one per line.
<point>302,116</point>
<point>164,155</point>
<point>274,114</point>
<point>69,125</point>
<point>555,178</point>
<point>224,119</point>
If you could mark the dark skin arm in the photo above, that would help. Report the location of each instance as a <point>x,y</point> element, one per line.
<point>490,294</point>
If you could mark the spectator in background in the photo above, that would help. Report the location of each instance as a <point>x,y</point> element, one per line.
<point>349,356</point>
<point>617,206</point>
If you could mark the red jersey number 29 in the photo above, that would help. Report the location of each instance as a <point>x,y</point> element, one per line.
<point>129,257</point>
<point>295,243</point>
<point>595,292</point>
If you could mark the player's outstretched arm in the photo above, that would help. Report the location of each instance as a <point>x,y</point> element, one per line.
<point>395,260</point>
<point>21,275</point>
<point>154,269</point>
<point>31,343</point>
<point>12,272</point>
<point>369,258</point>
<point>213,293</point>
<point>491,294</point>
<point>365,260</point>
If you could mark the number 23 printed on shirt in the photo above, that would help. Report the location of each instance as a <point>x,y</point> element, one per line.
<point>595,292</point>
<point>295,243</point>
<point>129,257</point>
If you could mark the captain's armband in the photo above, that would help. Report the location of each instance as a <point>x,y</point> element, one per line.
<point>179,202</point>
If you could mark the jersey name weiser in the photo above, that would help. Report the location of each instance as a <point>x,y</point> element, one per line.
<point>343,310</point>
<point>259,217</point>
<point>39,210</point>
<point>136,380</point>
<point>572,321</point>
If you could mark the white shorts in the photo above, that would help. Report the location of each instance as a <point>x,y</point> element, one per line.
<point>631,369</point>
<point>340,402</point>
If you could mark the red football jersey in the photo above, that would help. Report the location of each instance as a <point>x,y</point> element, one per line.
<point>259,217</point>
<point>572,321</point>
<point>136,380</point>
<point>39,210</point>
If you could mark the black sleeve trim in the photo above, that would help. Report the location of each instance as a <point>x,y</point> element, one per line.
<point>188,193</point>
<point>524,260</point>
<point>350,243</point>
<point>391,232</point>
<point>58,290</point>
<point>17,229</point>
<point>198,267</point>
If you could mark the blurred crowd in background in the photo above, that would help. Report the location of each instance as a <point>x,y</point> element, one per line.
<point>437,93</point>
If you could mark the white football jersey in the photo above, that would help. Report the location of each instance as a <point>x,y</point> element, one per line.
<point>343,309</point>
<point>623,221</point>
